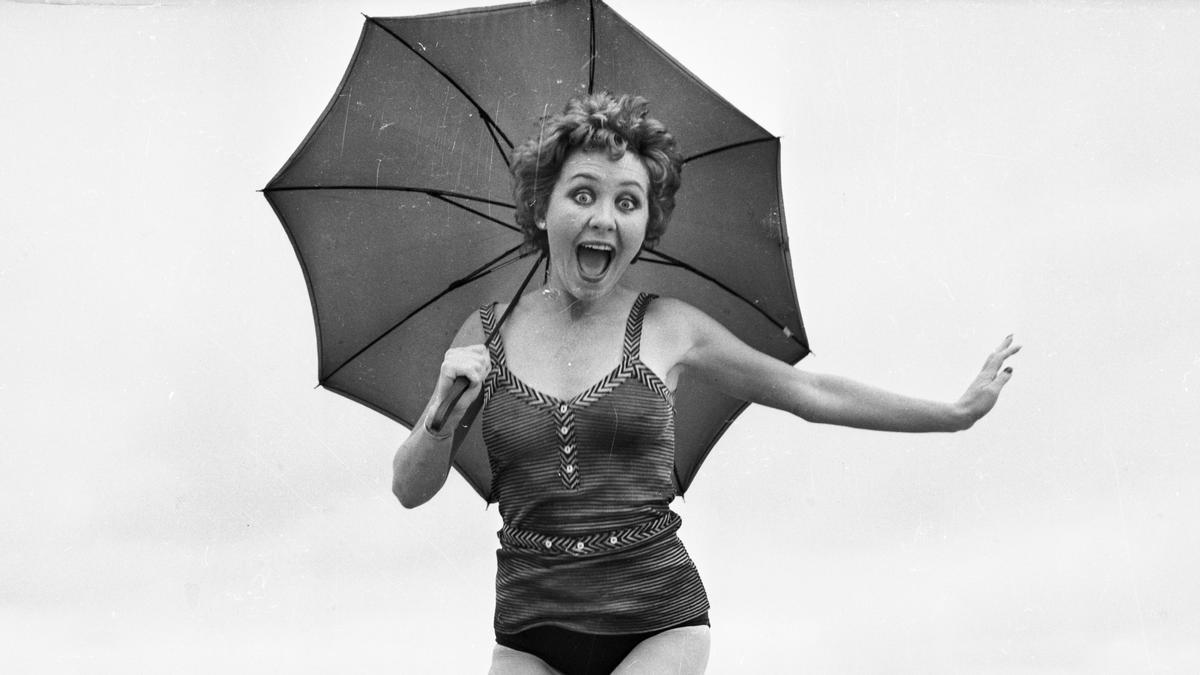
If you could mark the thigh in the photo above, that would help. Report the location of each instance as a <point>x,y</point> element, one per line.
<point>680,650</point>
<point>508,661</point>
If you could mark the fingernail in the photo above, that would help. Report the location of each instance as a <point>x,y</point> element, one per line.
<point>1009,336</point>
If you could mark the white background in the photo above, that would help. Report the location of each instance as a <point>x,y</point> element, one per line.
<point>175,496</point>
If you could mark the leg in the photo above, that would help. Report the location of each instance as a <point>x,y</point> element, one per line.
<point>679,651</point>
<point>507,661</point>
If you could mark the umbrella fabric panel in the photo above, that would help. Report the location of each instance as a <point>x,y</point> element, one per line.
<point>537,49</point>
<point>542,50</point>
<point>395,122</point>
<point>396,375</point>
<point>364,253</point>
<point>627,62</point>
<point>399,370</point>
<point>701,417</point>
<point>733,197</point>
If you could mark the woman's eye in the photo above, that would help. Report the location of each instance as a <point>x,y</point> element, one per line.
<point>627,203</point>
<point>584,197</point>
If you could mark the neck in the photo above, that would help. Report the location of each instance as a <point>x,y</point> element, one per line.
<point>560,300</point>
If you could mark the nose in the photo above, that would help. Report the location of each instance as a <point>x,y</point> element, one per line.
<point>604,217</point>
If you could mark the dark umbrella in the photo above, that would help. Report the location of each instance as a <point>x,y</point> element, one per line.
<point>398,203</point>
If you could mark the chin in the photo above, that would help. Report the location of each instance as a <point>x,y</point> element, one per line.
<point>589,291</point>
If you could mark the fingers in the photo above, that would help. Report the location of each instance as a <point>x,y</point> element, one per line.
<point>1003,377</point>
<point>996,359</point>
<point>471,362</point>
<point>1007,348</point>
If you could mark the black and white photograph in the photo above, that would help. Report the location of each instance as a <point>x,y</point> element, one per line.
<point>600,336</point>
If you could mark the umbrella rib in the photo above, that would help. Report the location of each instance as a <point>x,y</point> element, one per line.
<point>483,115</point>
<point>487,268</point>
<point>464,207</point>
<point>731,146</point>
<point>432,192</point>
<point>493,130</point>
<point>676,262</point>
<point>442,195</point>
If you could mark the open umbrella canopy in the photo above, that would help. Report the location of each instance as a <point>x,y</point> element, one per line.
<point>399,201</point>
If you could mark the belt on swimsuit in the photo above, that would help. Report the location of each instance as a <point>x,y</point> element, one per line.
<point>514,539</point>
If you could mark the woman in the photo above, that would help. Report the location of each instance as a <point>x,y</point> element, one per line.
<point>578,415</point>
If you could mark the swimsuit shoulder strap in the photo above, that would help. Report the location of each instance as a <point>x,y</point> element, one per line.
<point>633,327</point>
<point>491,337</point>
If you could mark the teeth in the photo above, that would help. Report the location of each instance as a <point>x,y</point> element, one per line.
<point>594,258</point>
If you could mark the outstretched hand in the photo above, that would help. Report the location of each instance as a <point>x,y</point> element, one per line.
<point>981,396</point>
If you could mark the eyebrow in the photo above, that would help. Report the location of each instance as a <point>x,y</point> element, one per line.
<point>594,177</point>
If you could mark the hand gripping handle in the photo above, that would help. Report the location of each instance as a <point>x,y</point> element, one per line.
<point>462,384</point>
<point>457,389</point>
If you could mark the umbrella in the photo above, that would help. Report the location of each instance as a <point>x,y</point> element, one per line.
<point>398,203</point>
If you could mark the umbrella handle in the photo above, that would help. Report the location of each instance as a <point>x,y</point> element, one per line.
<point>457,389</point>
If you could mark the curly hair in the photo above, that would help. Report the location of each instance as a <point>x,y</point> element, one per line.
<point>597,122</point>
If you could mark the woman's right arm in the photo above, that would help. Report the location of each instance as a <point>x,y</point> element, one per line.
<point>422,463</point>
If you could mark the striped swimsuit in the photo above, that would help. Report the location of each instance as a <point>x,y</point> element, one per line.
<point>589,542</point>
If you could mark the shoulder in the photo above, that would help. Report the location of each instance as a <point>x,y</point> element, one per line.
<point>695,333</point>
<point>684,337</point>
<point>470,332</point>
<point>675,313</point>
<point>680,322</point>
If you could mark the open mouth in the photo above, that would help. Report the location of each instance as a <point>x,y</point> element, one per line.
<point>594,260</point>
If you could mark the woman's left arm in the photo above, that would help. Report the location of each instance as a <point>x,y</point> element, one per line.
<point>717,357</point>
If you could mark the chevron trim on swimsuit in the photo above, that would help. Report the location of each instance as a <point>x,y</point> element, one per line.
<point>631,367</point>
<point>592,544</point>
